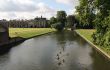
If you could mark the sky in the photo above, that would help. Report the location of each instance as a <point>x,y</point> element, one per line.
<point>29,9</point>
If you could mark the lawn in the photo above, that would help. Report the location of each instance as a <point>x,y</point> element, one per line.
<point>28,32</point>
<point>87,33</point>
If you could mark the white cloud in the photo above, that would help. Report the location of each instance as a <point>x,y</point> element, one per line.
<point>45,10</point>
<point>71,11</point>
<point>24,9</point>
<point>71,3</point>
<point>68,2</point>
<point>28,9</point>
<point>17,5</point>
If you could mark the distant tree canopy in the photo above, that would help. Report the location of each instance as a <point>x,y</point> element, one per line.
<point>60,20</point>
<point>70,20</point>
<point>53,20</point>
<point>61,17</point>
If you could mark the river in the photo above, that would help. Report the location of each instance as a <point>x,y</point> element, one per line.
<point>54,51</point>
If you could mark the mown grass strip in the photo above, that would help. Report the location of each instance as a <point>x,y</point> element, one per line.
<point>28,32</point>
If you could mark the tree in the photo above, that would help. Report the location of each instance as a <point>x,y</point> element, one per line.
<point>102,21</point>
<point>52,21</point>
<point>70,20</point>
<point>61,17</point>
<point>61,20</point>
<point>86,13</point>
<point>58,26</point>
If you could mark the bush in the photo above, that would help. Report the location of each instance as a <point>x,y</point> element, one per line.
<point>58,26</point>
<point>102,35</point>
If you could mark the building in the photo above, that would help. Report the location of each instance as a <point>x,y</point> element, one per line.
<point>4,32</point>
<point>38,22</point>
<point>18,23</point>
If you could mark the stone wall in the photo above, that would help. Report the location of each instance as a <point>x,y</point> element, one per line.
<point>4,32</point>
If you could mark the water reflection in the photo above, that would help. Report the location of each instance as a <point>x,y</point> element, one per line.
<point>56,51</point>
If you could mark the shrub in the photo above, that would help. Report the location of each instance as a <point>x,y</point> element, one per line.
<point>58,26</point>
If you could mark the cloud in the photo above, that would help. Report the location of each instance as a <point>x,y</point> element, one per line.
<point>71,3</point>
<point>71,12</point>
<point>43,10</point>
<point>17,5</point>
<point>28,9</point>
<point>24,9</point>
<point>68,2</point>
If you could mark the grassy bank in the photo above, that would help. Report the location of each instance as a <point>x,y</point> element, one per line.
<point>86,34</point>
<point>28,32</point>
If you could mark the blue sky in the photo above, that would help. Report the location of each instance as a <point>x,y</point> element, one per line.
<point>29,9</point>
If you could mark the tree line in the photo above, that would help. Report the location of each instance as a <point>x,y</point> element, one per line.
<point>62,21</point>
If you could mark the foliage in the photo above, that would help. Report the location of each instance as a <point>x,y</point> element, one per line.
<point>87,33</point>
<point>70,20</point>
<point>86,13</point>
<point>58,26</point>
<point>102,22</point>
<point>59,22</point>
<point>102,35</point>
<point>61,17</point>
<point>96,12</point>
<point>53,20</point>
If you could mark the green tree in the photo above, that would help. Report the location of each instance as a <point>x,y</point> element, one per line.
<point>61,20</point>
<point>86,13</point>
<point>53,20</point>
<point>58,26</point>
<point>61,17</point>
<point>102,21</point>
<point>70,20</point>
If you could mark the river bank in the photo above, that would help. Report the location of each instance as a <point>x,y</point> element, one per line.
<point>5,47</point>
<point>19,35</point>
<point>87,36</point>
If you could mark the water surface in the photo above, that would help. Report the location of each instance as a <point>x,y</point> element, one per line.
<point>56,51</point>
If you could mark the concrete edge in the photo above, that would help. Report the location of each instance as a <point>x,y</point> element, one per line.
<point>95,47</point>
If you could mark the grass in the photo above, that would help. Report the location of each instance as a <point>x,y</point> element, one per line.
<point>28,32</point>
<point>87,33</point>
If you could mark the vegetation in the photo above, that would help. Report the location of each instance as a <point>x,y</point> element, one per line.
<point>59,22</point>
<point>28,32</point>
<point>87,33</point>
<point>53,20</point>
<point>96,14</point>
<point>102,35</point>
<point>86,13</point>
<point>70,21</point>
<point>61,17</point>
